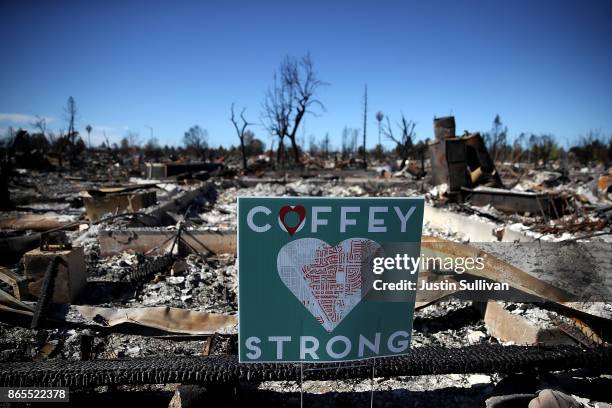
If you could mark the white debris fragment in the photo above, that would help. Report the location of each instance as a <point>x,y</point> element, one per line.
<point>478,379</point>
<point>587,193</point>
<point>439,190</point>
<point>476,336</point>
<point>175,280</point>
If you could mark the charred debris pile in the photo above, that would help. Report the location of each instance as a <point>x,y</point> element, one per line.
<point>121,258</point>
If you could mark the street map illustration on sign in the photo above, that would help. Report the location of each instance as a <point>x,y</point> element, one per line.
<point>305,276</point>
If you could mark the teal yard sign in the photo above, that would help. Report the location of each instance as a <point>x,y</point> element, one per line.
<point>320,280</point>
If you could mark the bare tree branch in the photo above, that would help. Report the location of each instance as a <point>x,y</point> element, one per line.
<point>290,99</point>
<point>241,132</point>
<point>40,124</point>
<point>404,141</point>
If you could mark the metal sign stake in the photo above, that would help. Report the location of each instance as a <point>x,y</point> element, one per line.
<point>372,383</point>
<point>301,387</point>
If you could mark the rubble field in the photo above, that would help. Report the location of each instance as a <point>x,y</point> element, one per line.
<point>159,254</point>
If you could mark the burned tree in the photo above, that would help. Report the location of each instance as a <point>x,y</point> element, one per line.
<point>196,140</point>
<point>40,124</point>
<point>277,108</point>
<point>252,145</point>
<point>404,141</point>
<point>379,118</point>
<point>70,142</point>
<point>5,194</point>
<point>130,141</point>
<point>88,128</point>
<point>496,139</point>
<point>325,143</point>
<point>290,98</point>
<point>303,83</point>
<point>6,153</point>
<point>152,149</point>
<point>312,146</point>
<point>71,111</point>
<point>350,138</point>
<point>241,131</point>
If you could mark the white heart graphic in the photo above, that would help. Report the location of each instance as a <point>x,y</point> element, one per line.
<point>326,280</point>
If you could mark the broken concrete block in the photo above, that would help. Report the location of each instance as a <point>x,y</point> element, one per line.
<point>475,336</point>
<point>97,206</point>
<point>509,327</point>
<point>554,399</point>
<point>188,396</point>
<point>71,274</point>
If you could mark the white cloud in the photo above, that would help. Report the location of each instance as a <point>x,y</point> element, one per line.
<point>21,118</point>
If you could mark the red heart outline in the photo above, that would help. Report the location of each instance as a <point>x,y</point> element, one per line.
<point>299,210</point>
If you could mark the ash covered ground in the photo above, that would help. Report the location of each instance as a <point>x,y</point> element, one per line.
<point>208,283</point>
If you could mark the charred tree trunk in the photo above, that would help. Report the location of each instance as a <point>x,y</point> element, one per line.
<point>243,151</point>
<point>296,151</point>
<point>241,131</point>
<point>404,157</point>
<point>5,195</point>
<point>279,151</point>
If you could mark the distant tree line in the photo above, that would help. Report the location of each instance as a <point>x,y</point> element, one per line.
<point>39,148</point>
<point>593,147</point>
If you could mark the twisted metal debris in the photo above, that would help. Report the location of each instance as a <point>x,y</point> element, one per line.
<point>485,358</point>
<point>151,266</point>
<point>46,292</point>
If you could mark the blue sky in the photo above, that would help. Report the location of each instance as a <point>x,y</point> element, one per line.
<point>544,66</point>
